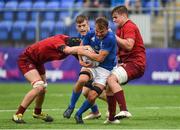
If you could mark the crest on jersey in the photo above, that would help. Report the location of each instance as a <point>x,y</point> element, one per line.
<point>93,39</point>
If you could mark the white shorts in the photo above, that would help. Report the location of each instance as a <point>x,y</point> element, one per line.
<point>121,74</point>
<point>100,75</point>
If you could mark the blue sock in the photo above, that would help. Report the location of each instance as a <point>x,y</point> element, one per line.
<point>74,98</point>
<point>94,108</point>
<point>85,106</point>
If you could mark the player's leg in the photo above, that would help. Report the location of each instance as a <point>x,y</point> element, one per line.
<point>34,78</point>
<point>88,103</point>
<point>41,96</point>
<point>111,101</point>
<point>100,76</point>
<point>119,76</point>
<point>84,76</point>
<point>38,114</point>
<point>94,114</point>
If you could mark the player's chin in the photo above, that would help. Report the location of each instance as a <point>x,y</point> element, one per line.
<point>83,32</point>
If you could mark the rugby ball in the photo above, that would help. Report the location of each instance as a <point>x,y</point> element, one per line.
<point>90,61</point>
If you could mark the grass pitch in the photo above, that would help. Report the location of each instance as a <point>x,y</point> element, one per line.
<point>152,107</point>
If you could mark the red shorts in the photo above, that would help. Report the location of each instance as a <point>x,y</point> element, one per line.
<point>133,70</point>
<point>25,64</point>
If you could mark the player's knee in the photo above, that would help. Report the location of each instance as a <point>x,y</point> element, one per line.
<point>41,90</point>
<point>82,81</point>
<point>92,95</point>
<point>40,86</point>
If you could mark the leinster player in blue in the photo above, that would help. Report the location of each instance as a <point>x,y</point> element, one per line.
<point>104,42</point>
<point>82,26</point>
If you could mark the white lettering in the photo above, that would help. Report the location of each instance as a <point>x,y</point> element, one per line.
<point>166,76</point>
<point>54,75</point>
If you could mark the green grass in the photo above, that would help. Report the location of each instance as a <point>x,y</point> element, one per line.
<point>152,107</point>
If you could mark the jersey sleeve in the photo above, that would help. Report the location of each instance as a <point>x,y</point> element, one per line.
<point>87,38</point>
<point>108,43</point>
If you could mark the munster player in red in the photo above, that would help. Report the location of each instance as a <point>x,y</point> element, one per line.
<point>31,63</point>
<point>132,60</point>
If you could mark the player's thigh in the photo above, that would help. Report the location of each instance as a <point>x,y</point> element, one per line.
<point>133,71</point>
<point>32,75</point>
<point>85,73</point>
<point>100,75</point>
<point>28,68</point>
<point>120,73</point>
<point>126,72</point>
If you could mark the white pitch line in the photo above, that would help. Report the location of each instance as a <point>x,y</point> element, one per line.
<point>136,108</point>
<point>92,129</point>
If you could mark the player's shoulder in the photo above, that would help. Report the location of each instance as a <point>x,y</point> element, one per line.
<point>110,36</point>
<point>130,24</point>
<point>90,34</point>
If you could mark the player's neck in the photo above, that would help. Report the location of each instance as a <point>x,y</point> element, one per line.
<point>125,21</point>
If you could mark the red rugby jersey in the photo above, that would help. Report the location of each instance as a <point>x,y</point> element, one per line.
<point>137,54</point>
<point>46,50</point>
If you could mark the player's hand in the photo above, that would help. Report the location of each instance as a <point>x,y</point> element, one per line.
<point>88,65</point>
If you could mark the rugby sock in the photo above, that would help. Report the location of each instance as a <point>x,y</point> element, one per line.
<point>74,98</point>
<point>85,106</point>
<point>94,109</point>
<point>111,107</point>
<point>37,111</point>
<point>121,100</point>
<point>21,110</point>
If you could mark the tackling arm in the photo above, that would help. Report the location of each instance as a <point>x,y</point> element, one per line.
<point>68,50</point>
<point>94,56</point>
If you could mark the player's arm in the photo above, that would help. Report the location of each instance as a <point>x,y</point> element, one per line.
<point>125,43</point>
<point>94,56</point>
<point>68,50</point>
<point>81,62</point>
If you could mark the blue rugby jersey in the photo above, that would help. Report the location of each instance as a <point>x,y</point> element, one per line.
<point>81,36</point>
<point>108,43</point>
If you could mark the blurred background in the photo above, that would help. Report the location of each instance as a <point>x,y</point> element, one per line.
<point>24,22</point>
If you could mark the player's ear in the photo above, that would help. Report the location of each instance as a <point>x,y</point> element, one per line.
<point>73,41</point>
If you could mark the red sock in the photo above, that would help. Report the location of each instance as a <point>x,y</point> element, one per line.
<point>121,100</point>
<point>37,111</point>
<point>111,107</point>
<point>21,110</point>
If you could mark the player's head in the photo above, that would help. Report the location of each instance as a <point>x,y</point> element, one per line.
<point>120,15</point>
<point>73,41</point>
<point>82,24</point>
<point>101,27</point>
